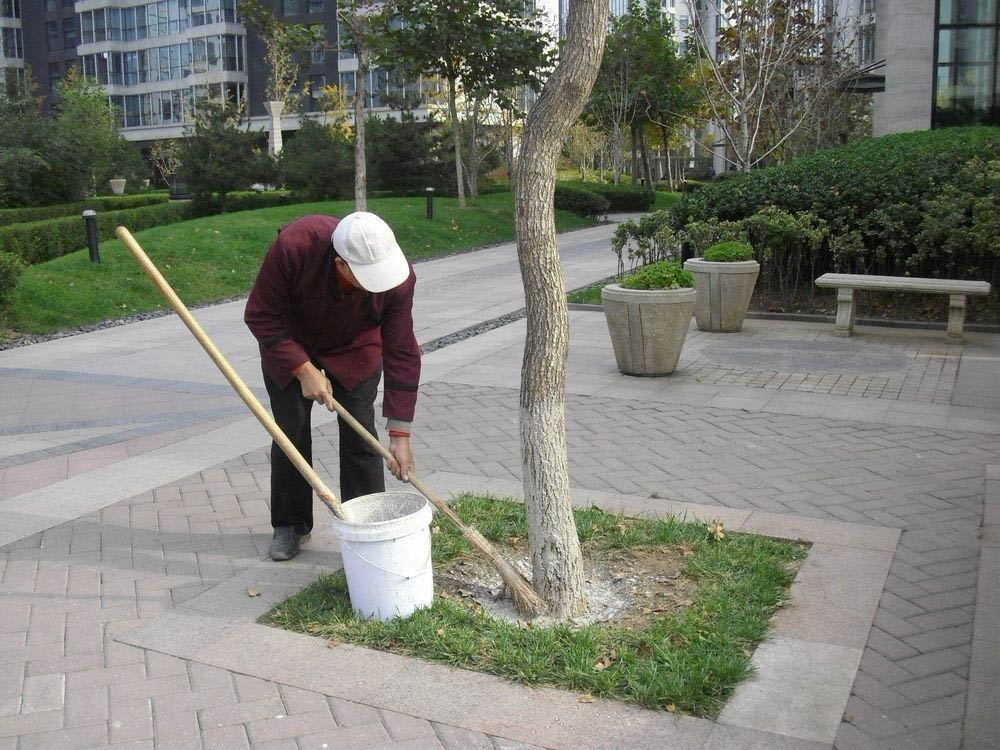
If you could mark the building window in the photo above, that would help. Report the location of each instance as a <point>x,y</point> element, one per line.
<point>55,75</point>
<point>289,7</point>
<point>344,41</point>
<point>317,6</point>
<point>866,44</point>
<point>966,87</point>
<point>11,43</point>
<point>51,6</point>
<point>52,35</point>
<point>68,4</point>
<point>69,33</point>
<point>10,9</point>
<point>318,53</point>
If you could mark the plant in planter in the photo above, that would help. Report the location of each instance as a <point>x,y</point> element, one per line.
<point>725,277</point>
<point>648,315</point>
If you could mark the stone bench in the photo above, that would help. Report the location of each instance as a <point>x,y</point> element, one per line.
<point>848,285</point>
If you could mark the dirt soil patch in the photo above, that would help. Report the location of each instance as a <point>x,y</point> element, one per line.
<point>629,587</point>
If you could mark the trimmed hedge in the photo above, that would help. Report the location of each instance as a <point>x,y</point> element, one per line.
<point>580,202</point>
<point>619,197</point>
<point>10,268</point>
<point>729,252</point>
<point>101,203</point>
<point>663,274</point>
<point>243,200</point>
<point>40,241</point>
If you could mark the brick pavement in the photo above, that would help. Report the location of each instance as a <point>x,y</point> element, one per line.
<point>67,591</point>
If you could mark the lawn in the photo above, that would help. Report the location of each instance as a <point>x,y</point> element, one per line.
<point>689,659</point>
<point>589,295</point>
<point>217,257</point>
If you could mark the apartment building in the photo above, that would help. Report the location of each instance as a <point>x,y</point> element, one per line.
<point>157,58</point>
<point>11,44</point>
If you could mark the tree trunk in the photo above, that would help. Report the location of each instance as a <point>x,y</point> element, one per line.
<point>556,560</point>
<point>456,136</point>
<point>647,172</point>
<point>360,163</point>
<point>666,152</point>
<point>473,178</point>
<point>635,157</point>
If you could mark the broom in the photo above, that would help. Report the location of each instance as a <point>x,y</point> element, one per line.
<point>525,598</point>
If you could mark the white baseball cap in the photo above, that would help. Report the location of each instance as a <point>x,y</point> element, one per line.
<point>370,249</point>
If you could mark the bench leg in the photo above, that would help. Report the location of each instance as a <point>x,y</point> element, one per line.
<point>956,316</point>
<point>846,299</point>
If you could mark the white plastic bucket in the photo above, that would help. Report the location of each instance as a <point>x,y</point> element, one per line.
<point>386,547</point>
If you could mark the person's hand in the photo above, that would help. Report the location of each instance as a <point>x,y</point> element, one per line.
<point>401,463</point>
<point>315,385</point>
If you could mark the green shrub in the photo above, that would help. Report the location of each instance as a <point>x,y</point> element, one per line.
<point>644,241</point>
<point>619,197</point>
<point>10,268</point>
<point>406,156</point>
<point>43,240</point>
<point>100,203</point>
<point>318,162</point>
<point>243,200</point>
<point>580,202</point>
<point>664,274</point>
<point>728,252</point>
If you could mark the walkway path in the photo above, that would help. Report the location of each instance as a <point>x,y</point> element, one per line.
<point>133,493</point>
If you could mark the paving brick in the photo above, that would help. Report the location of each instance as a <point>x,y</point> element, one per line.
<point>366,736</point>
<point>40,721</point>
<point>349,714</point>
<point>130,719</point>
<point>932,713</point>
<point>240,713</point>
<point>403,727</point>
<point>942,737</point>
<point>870,720</point>
<point>943,660</point>
<point>86,706</point>
<point>225,738</point>
<point>935,686</point>
<point>457,738</point>
<point>205,677</point>
<point>299,701</point>
<point>501,744</point>
<point>43,693</point>
<point>193,700</point>
<point>254,689</point>
<point>94,735</point>
<point>281,726</point>
<point>935,640</point>
<point>176,729</point>
<point>849,737</point>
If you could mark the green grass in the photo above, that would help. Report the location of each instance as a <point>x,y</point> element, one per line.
<point>690,661</point>
<point>589,295</point>
<point>664,200</point>
<point>217,257</point>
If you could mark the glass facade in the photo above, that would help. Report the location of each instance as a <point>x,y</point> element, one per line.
<point>11,42</point>
<point>222,52</point>
<point>153,19</point>
<point>966,86</point>
<point>10,8</point>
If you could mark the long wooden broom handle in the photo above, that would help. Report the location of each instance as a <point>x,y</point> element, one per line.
<point>422,488</point>
<point>325,495</point>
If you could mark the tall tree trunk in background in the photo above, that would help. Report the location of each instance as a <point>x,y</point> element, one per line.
<point>647,172</point>
<point>556,561</point>
<point>473,178</point>
<point>360,95</point>
<point>635,157</point>
<point>457,138</point>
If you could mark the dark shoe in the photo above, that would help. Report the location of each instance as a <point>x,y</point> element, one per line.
<point>286,543</point>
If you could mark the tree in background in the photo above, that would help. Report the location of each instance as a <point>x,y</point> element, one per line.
<point>286,51</point>
<point>766,68</point>
<point>366,22</point>
<point>488,46</point>
<point>644,81</point>
<point>556,560</point>
<point>60,159</point>
<point>317,162</point>
<point>582,143</point>
<point>220,154</point>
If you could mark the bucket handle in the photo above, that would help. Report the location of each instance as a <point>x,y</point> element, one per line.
<point>427,562</point>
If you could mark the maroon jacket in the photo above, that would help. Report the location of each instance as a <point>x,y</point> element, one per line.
<point>298,312</point>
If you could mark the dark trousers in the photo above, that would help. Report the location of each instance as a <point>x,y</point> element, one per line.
<point>360,466</point>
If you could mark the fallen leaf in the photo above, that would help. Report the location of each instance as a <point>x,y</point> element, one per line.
<point>440,631</point>
<point>603,663</point>
<point>523,625</point>
<point>253,592</point>
<point>716,529</point>
<point>586,698</point>
<point>435,529</point>
<point>464,592</point>
<point>314,627</point>
<point>671,707</point>
<point>687,549</point>
<point>332,643</point>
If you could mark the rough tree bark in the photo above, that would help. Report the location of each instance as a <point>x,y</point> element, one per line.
<point>360,95</point>
<point>557,564</point>
<point>453,113</point>
<point>644,149</point>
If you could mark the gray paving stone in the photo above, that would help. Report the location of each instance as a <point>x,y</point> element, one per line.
<point>94,735</point>
<point>43,693</point>
<point>241,713</point>
<point>130,719</point>
<point>225,738</point>
<point>359,736</point>
<point>403,727</point>
<point>349,714</point>
<point>281,726</point>
<point>933,713</point>
<point>936,686</point>
<point>935,662</point>
<point>456,738</point>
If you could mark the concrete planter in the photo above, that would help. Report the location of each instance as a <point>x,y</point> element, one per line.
<point>117,186</point>
<point>724,291</point>
<point>647,327</point>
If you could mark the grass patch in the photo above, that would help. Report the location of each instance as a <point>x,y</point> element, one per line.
<point>689,661</point>
<point>664,200</point>
<point>589,295</point>
<point>217,257</point>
